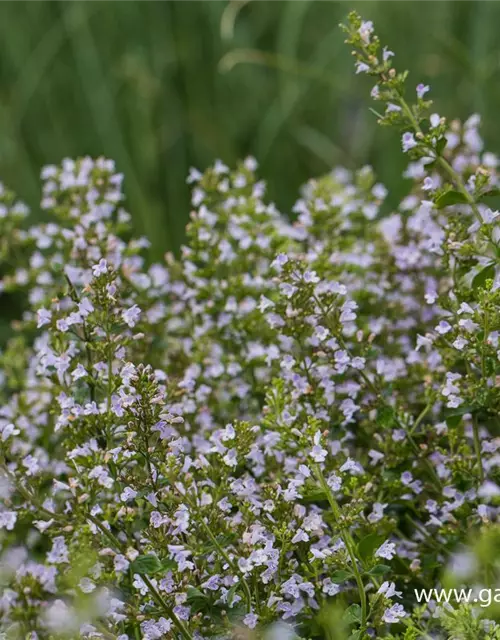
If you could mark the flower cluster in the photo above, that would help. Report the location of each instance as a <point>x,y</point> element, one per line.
<point>282,433</point>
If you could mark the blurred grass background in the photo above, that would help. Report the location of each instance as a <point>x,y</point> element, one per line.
<point>161,86</point>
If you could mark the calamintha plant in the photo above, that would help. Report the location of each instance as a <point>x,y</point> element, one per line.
<point>286,433</point>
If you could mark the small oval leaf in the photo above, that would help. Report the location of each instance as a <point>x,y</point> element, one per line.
<point>367,546</point>
<point>145,565</point>
<point>378,570</point>
<point>487,273</point>
<point>352,614</point>
<point>449,198</point>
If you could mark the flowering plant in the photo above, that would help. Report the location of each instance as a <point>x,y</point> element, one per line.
<point>283,433</point>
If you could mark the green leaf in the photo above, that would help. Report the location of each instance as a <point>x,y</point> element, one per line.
<point>356,635</point>
<point>368,544</point>
<point>486,273</point>
<point>236,613</point>
<point>197,600</point>
<point>168,564</point>
<point>449,198</point>
<point>440,145</point>
<point>145,565</point>
<point>453,417</point>
<point>490,194</point>
<point>314,495</point>
<point>378,570</point>
<point>352,614</point>
<point>459,411</point>
<point>340,576</point>
<point>195,594</point>
<point>385,416</point>
<point>230,594</point>
<point>453,421</point>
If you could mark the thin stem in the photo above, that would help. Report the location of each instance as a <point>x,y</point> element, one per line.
<point>452,174</point>
<point>234,567</point>
<point>460,186</point>
<point>379,395</point>
<point>348,541</point>
<point>116,543</point>
<point>167,608</point>
<point>152,589</point>
<point>445,165</point>
<point>420,417</point>
<point>477,447</point>
<point>76,298</point>
<point>475,435</point>
<point>29,496</point>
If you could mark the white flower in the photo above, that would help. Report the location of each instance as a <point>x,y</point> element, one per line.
<point>389,590</point>
<point>454,401</point>
<point>392,108</point>
<point>330,588</point>
<point>8,430</point>
<point>423,341</point>
<point>465,308</point>
<point>128,494</point>
<point>231,458</point>
<point>365,31</point>
<point>100,268</point>
<point>85,307</point>
<point>121,563</point>
<point>279,262</point>
<point>393,614</point>
<point>387,54</point>
<point>387,551</point>
<point>317,453</point>
<point>443,327</point>
<point>408,141</point>
<point>79,372</point>
<point>428,184</point>
<point>460,343</point>
<point>250,620</point>
<point>8,520</point>
<point>265,303</point>
<point>422,89</point>
<point>59,552</point>
<point>334,482</point>
<point>44,317</point>
<point>311,276</point>
<point>488,490</point>
<point>300,536</point>
<point>361,67</point>
<point>435,120</point>
<point>131,315</point>
<point>86,585</point>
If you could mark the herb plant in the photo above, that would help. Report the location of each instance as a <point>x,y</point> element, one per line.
<point>287,431</point>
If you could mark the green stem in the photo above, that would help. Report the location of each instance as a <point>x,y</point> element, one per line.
<point>86,338</point>
<point>421,416</point>
<point>348,541</point>
<point>154,593</point>
<point>29,496</point>
<point>167,608</point>
<point>379,395</point>
<point>117,544</point>
<point>477,447</point>
<point>234,567</point>
<point>446,166</point>
<point>475,435</point>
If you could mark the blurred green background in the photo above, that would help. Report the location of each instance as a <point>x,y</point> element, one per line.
<point>161,86</point>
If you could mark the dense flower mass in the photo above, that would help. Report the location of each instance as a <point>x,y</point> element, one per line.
<point>283,433</point>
